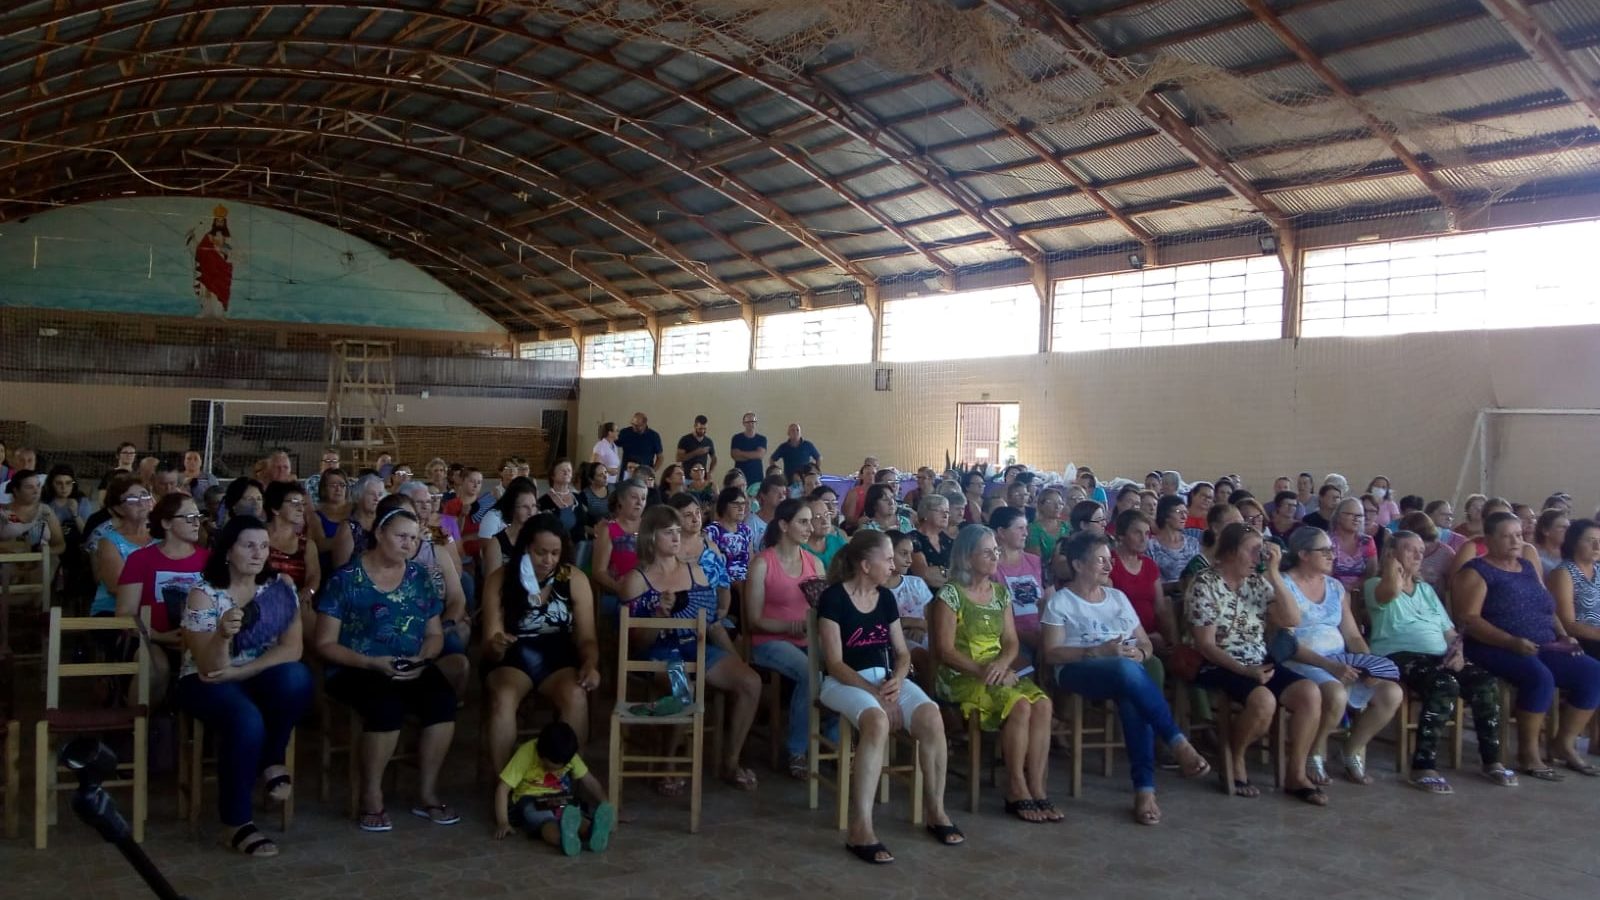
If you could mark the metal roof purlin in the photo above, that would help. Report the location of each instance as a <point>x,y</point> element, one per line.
<point>1547,53</point>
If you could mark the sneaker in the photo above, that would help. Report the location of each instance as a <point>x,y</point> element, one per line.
<point>601,826</point>
<point>571,823</point>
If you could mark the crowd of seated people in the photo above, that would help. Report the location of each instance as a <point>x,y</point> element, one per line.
<point>402,587</point>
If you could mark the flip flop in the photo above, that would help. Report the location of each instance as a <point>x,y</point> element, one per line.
<point>251,842</point>
<point>1020,808</point>
<point>868,853</point>
<point>1544,773</point>
<point>1312,795</point>
<point>742,779</point>
<point>944,833</point>
<point>601,826</point>
<point>1502,776</point>
<point>438,814</point>
<point>1433,784</point>
<point>280,781</point>
<point>1583,768</point>
<point>1245,789</point>
<point>375,821</point>
<point>1051,814</point>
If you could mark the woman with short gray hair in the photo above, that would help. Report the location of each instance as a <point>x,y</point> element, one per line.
<point>930,542</point>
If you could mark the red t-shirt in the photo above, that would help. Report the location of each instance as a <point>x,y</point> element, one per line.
<point>165,582</point>
<point>1142,589</point>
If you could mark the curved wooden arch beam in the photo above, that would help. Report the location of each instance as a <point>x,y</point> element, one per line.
<point>651,144</point>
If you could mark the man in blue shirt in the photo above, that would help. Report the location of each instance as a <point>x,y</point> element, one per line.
<point>796,452</point>
<point>640,443</point>
<point>748,450</point>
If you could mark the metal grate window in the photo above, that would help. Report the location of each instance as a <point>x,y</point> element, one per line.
<point>999,322</point>
<point>563,349</point>
<point>619,355</point>
<point>835,336</point>
<point>1226,300</point>
<point>708,347</point>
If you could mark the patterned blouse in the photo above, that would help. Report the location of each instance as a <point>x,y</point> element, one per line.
<point>735,547</point>
<point>278,603</point>
<point>374,622</point>
<point>1170,561</point>
<point>1239,616</point>
<point>1585,594</point>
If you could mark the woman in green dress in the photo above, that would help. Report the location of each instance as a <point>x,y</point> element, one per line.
<point>976,640</point>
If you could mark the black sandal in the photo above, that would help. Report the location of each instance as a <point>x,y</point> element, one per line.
<point>868,853</point>
<point>1313,795</point>
<point>1025,805</point>
<point>1051,814</point>
<point>249,840</point>
<point>943,834</point>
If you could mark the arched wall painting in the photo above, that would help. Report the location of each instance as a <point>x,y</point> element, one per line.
<point>189,256</point>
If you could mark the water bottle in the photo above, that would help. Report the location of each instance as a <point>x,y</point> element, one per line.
<point>678,679</point>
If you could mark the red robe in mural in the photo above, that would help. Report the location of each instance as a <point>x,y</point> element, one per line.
<point>213,272</point>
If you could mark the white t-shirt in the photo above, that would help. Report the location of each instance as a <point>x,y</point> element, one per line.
<point>606,452</point>
<point>491,524</point>
<point>912,597</point>
<point>1090,624</point>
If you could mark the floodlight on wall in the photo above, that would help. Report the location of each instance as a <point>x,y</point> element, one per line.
<point>1135,260</point>
<point>857,294</point>
<point>1269,244</point>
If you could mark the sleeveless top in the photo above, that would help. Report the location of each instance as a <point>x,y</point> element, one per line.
<point>682,604</point>
<point>599,505</point>
<point>1319,622</point>
<point>1351,569</point>
<point>278,603</point>
<point>783,599</point>
<point>1585,594</point>
<point>428,557</point>
<point>553,617</point>
<point>105,603</point>
<point>290,564</point>
<point>735,546</point>
<point>1516,602</point>
<point>624,550</point>
<point>31,532</point>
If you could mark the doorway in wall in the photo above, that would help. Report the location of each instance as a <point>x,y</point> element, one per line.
<point>986,433</point>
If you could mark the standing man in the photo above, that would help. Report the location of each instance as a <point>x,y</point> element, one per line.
<point>748,449</point>
<point>640,443</point>
<point>796,452</point>
<point>696,447</point>
<point>195,478</point>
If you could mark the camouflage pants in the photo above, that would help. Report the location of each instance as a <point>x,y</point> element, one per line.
<point>1438,688</point>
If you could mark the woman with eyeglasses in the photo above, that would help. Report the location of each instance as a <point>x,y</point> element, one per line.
<point>159,576</point>
<point>242,675</point>
<point>1093,637</point>
<point>1549,534</point>
<point>1355,555</point>
<point>731,534</point>
<point>365,495</point>
<point>1514,631</point>
<point>111,544</point>
<point>931,541</point>
<point>825,541</point>
<point>1324,626</point>
<point>1048,524</point>
<point>973,631</point>
<point>285,507</point>
<point>333,509</point>
<point>379,629</point>
<point>561,502</point>
<point>1172,547</point>
<point>1087,515</point>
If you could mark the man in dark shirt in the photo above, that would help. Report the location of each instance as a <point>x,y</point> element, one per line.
<point>796,452</point>
<point>748,449</point>
<point>695,447</point>
<point>640,443</point>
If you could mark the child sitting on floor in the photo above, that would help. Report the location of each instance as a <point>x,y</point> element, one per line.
<point>537,792</point>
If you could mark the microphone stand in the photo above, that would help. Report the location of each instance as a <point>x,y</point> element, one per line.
<point>96,808</point>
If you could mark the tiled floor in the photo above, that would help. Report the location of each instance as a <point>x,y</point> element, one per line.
<point>1387,840</point>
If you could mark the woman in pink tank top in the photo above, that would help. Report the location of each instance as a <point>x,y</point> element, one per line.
<point>775,610</point>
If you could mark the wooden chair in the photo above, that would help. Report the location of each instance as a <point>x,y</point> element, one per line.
<point>1085,738</point>
<point>529,722</point>
<point>25,583</point>
<point>673,765</point>
<point>771,690</point>
<point>820,749</point>
<point>77,722</point>
<point>403,755</point>
<point>1222,708</point>
<point>1508,722</point>
<point>11,731</point>
<point>1406,731</point>
<point>193,777</point>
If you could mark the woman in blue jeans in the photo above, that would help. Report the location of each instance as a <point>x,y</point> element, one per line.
<point>1512,630</point>
<point>1092,635</point>
<point>242,674</point>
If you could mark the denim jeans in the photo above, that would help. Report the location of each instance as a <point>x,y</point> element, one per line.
<point>1141,707</point>
<point>251,721</point>
<point>790,661</point>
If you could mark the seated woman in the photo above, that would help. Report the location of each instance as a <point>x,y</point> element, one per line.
<point>160,576</point>
<point>911,598</point>
<point>1227,609</point>
<point>974,636</point>
<point>378,629</point>
<point>1512,630</point>
<point>825,541</point>
<point>664,585</point>
<point>1023,575</point>
<point>1410,626</point>
<point>243,498</point>
<point>1048,525</point>
<point>699,484</point>
<point>518,503</point>
<point>242,675</point>
<point>730,533</point>
<point>1324,625</point>
<point>931,541</point>
<point>365,495</point>
<point>1474,510</point>
<point>539,634</point>
<point>1093,638</point>
<point>110,545</point>
<point>1549,533</point>
<point>777,608</point>
<point>595,495</point>
<point>1575,584</point>
<point>1220,516</point>
<point>28,522</point>
<point>1171,546</point>
<point>697,546</point>
<point>1388,510</point>
<point>440,565</point>
<point>285,509</point>
<point>973,487</point>
<point>1137,577</point>
<point>883,510</point>
<point>616,543</point>
<point>562,501</point>
<point>1478,546</point>
<point>854,507</point>
<point>864,665</point>
<point>1355,553</point>
<point>1436,554</point>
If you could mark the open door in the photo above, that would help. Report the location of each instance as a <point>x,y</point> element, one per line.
<point>986,433</point>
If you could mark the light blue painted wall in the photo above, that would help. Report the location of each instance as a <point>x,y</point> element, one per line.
<point>134,256</point>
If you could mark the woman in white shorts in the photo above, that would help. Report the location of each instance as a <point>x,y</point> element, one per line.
<point>864,664</point>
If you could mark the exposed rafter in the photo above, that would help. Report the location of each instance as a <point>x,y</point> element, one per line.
<point>1547,53</point>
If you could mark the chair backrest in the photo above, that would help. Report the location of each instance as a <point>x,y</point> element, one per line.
<point>8,684</point>
<point>8,572</point>
<point>813,656</point>
<point>55,669</point>
<point>627,665</point>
